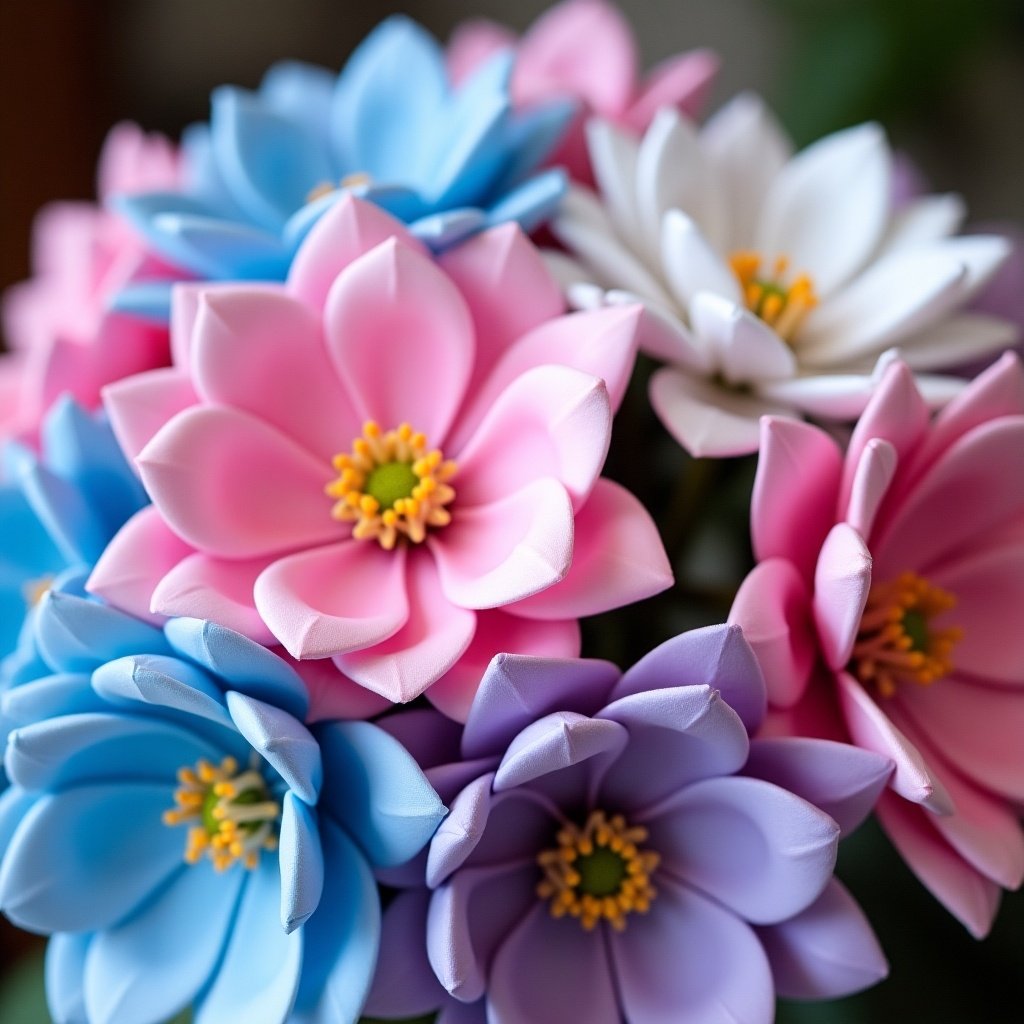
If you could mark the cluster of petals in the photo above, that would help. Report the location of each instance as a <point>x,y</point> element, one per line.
<point>60,507</point>
<point>744,905</point>
<point>601,75</point>
<point>942,499</point>
<point>102,738</point>
<point>61,332</point>
<point>390,128</point>
<point>234,444</point>
<point>841,276</point>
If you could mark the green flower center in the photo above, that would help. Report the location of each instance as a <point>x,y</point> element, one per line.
<point>391,482</point>
<point>601,872</point>
<point>915,626</point>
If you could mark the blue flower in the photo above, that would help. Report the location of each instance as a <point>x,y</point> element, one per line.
<point>59,510</point>
<point>390,128</point>
<point>184,837</point>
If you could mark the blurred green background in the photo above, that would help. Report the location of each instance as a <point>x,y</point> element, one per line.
<point>945,77</point>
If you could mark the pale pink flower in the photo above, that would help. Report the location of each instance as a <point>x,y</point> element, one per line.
<point>585,49</point>
<point>62,334</point>
<point>297,496</point>
<point>886,611</point>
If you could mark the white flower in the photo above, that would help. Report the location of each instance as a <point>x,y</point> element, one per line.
<point>775,283</point>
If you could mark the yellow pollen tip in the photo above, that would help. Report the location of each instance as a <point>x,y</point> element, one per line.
<point>769,294</point>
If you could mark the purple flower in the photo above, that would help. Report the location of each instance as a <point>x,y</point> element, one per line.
<point>619,849</point>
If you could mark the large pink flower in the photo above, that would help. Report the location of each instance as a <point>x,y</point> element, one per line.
<point>59,326</point>
<point>886,611</point>
<point>601,72</point>
<point>387,461</point>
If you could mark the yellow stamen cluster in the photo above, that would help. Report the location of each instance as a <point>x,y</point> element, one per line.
<point>325,188</point>
<point>392,485</point>
<point>782,306</point>
<point>232,815</point>
<point>35,590</point>
<point>897,641</point>
<point>598,873</point>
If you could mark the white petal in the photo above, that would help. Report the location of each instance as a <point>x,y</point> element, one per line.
<point>981,255</point>
<point>664,336</point>
<point>613,155</point>
<point>893,298</point>
<point>829,206</point>
<point>691,264</point>
<point>566,271</point>
<point>672,173</point>
<point>830,396</point>
<point>748,349</point>
<point>959,339</point>
<point>922,221</point>
<point>748,148</point>
<point>708,420</point>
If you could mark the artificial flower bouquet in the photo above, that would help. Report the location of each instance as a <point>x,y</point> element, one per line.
<point>306,423</point>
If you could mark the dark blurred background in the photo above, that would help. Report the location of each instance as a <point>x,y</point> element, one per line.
<point>945,77</point>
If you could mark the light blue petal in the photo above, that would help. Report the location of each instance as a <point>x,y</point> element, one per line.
<point>161,681</point>
<point>222,250</point>
<point>283,740</point>
<point>97,747</point>
<point>259,974</point>
<point>240,663</point>
<point>77,635</point>
<point>377,793</point>
<point>388,103</point>
<point>343,937</point>
<point>154,964</point>
<point>81,448</point>
<point>14,805</point>
<point>65,978</point>
<point>66,693</point>
<point>65,514</point>
<point>148,300</point>
<point>14,610</point>
<point>469,155</point>
<point>204,178</point>
<point>442,230</point>
<point>26,549</point>
<point>142,210</point>
<point>302,863</point>
<point>84,859</point>
<point>270,162</point>
<point>532,136</point>
<point>533,203</point>
<point>301,92</point>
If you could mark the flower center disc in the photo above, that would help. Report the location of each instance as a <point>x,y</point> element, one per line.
<point>897,640</point>
<point>392,485</point>
<point>780,304</point>
<point>598,872</point>
<point>232,814</point>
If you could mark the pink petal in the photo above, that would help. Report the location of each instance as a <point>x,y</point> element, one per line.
<point>967,894</point>
<point>723,978</point>
<point>185,302</point>
<point>706,419</point>
<point>332,694</point>
<point>551,62</point>
<point>986,465</point>
<point>508,289</point>
<point>871,480</point>
<point>140,554</point>
<point>348,230</point>
<point>570,977</point>
<point>618,558</point>
<point>794,501</point>
<point>433,638</point>
<point>872,729</point>
<point>826,951</point>
<point>975,728</point>
<point>401,339</point>
<point>235,487</point>
<point>334,599</point>
<point>201,587</point>
<point>498,632</point>
<point>601,343</point>
<point>473,43</point>
<point>257,349</point>
<point>492,555</point>
<point>682,82</point>
<point>897,413</point>
<point>842,579</point>
<point>139,406</point>
<point>552,421</point>
<point>773,607</point>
